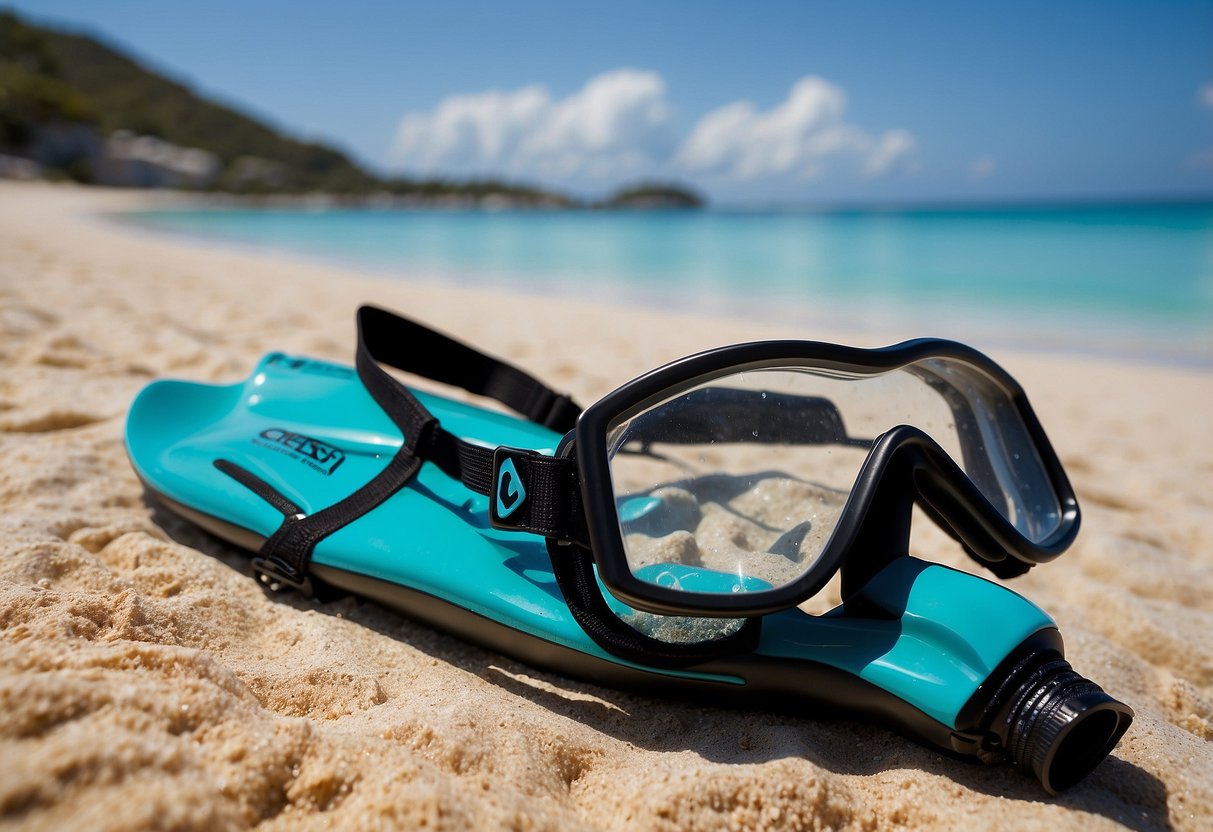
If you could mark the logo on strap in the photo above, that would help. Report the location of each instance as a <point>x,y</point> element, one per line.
<point>510,491</point>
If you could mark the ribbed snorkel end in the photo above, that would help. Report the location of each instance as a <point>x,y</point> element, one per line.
<point>1062,725</point>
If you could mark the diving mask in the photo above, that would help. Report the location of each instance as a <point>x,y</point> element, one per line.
<point>738,481</point>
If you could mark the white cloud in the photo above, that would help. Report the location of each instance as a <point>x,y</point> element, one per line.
<point>982,168</point>
<point>1205,95</point>
<point>616,125</point>
<point>894,148</point>
<point>797,137</point>
<point>620,125</point>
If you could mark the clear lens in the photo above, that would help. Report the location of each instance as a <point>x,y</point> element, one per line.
<point>736,485</point>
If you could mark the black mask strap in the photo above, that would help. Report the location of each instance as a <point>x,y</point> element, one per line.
<point>551,507</point>
<point>387,338</point>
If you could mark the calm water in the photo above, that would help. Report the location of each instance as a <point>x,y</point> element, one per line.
<point>1130,278</point>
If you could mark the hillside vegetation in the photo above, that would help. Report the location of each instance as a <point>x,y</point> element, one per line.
<point>125,96</point>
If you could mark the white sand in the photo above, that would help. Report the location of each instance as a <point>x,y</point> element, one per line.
<point>146,681</point>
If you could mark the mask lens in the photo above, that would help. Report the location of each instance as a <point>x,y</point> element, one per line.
<point>736,485</point>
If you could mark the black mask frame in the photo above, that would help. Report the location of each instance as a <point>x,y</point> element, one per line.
<point>905,466</point>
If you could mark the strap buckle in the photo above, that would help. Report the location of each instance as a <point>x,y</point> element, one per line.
<point>508,495</point>
<point>276,575</point>
<point>533,492</point>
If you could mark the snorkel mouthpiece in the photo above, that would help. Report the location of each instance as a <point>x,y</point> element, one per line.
<point>1063,726</point>
<point>1051,723</point>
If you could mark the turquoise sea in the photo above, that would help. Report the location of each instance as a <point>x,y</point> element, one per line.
<point>1122,279</point>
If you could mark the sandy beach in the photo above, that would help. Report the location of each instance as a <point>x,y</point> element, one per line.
<point>147,682</point>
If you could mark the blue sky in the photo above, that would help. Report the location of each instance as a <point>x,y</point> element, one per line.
<point>758,102</point>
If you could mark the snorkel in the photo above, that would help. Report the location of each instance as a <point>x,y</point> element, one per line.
<point>644,542</point>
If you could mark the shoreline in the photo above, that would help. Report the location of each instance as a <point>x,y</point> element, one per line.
<point>1155,338</point>
<point>147,679</point>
